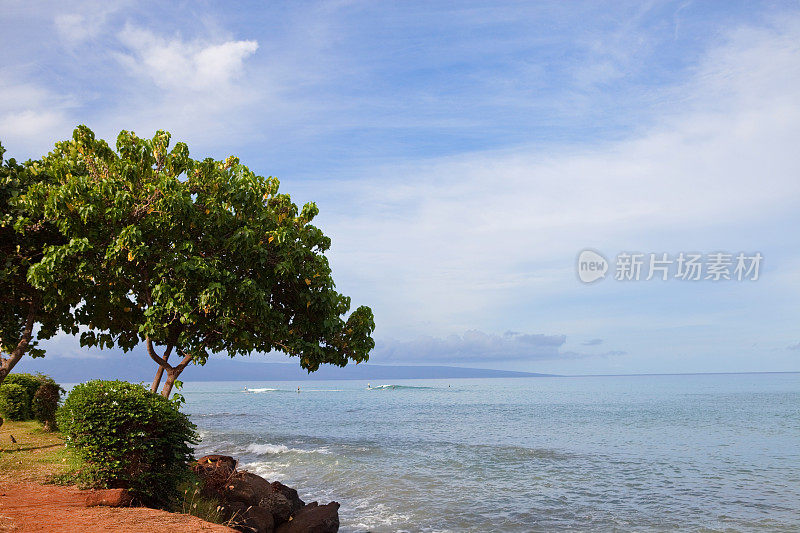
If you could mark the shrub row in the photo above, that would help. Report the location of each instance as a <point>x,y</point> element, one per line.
<point>25,396</point>
<point>127,436</point>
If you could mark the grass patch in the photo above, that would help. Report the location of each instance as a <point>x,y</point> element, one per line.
<point>38,456</point>
<point>193,502</point>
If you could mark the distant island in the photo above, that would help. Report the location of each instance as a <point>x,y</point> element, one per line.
<point>76,370</point>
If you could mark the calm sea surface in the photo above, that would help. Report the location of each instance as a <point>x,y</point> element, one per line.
<point>640,453</point>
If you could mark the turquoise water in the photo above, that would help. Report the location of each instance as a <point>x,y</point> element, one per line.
<point>638,453</point>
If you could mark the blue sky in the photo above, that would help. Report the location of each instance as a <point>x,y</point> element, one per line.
<point>463,153</point>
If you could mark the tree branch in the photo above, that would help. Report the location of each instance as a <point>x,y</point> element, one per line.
<point>187,357</point>
<point>155,357</point>
<point>160,371</point>
<point>22,346</point>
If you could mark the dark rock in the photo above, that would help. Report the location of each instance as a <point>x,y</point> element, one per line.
<point>233,510</point>
<point>260,485</point>
<point>237,490</point>
<point>249,518</point>
<point>259,520</point>
<point>252,503</point>
<point>247,488</point>
<point>290,494</point>
<point>109,498</point>
<point>313,518</point>
<point>218,461</point>
<point>214,471</point>
<point>255,490</point>
<point>277,504</point>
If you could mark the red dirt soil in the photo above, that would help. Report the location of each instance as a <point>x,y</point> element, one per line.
<point>31,507</point>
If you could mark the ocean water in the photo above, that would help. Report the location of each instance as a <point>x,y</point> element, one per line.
<point>637,453</point>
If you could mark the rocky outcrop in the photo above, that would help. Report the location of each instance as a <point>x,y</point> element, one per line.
<point>253,504</point>
<point>313,518</point>
<point>290,494</point>
<point>223,462</point>
<point>249,518</point>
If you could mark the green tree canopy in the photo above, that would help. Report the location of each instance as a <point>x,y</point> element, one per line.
<point>190,257</point>
<point>29,314</point>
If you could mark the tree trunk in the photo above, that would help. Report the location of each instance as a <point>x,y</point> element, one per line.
<point>161,362</point>
<point>8,363</point>
<point>160,371</point>
<point>157,379</point>
<point>172,375</point>
<point>173,372</point>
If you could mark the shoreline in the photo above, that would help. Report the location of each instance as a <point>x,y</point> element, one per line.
<point>31,506</point>
<point>30,501</point>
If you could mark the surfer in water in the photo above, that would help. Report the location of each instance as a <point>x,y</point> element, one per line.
<point>369,386</point>
<point>298,390</point>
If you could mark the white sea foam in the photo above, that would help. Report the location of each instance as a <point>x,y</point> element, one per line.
<point>265,469</point>
<point>371,515</point>
<point>260,390</point>
<point>273,449</point>
<point>393,386</point>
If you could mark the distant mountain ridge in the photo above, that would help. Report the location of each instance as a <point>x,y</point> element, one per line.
<point>133,367</point>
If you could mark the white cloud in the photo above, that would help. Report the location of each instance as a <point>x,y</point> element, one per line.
<point>85,21</point>
<point>475,346</point>
<point>471,346</point>
<point>31,123</point>
<point>463,233</point>
<point>201,90</point>
<point>73,27</point>
<point>31,117</point>
<point>68,346</point>
<point>176,64</point>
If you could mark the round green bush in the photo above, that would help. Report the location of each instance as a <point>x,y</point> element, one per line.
<point>129,438</point>
<point>15,404</point>
<point>28,381</point>
<point>45,403</point>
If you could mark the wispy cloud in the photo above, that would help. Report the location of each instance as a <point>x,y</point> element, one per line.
<point>176,64</point>
<point>29,113</point>
<point>88,20</point>
<point>478,347</point>
<point>471,346</point>
<point>466,233</point>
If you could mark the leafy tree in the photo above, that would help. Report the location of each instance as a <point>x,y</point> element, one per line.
<point>192,257</point>
<point>24,239</point>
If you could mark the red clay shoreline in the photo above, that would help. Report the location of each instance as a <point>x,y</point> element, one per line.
<point>26,506</point>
